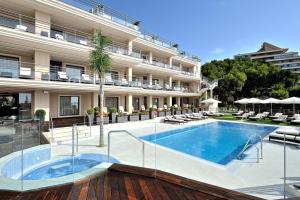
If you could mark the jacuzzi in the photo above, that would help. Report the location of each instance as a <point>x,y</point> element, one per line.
<point>35,168</point>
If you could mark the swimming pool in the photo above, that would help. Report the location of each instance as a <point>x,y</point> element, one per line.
<point>218,142</point>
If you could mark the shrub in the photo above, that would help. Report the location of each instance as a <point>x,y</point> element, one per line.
<point>113,110</point>
<point>40,114</point>
<point>90,111</point>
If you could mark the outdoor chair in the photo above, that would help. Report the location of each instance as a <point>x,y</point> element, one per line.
<point>173,120</point>
<point>21,28</point>
<point>238,113</point>
<point>62,76</point>
<point>276,115</point>
<point>85,78</point>
<point>257,117</point>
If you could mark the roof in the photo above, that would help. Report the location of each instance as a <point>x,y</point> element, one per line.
<point>266,47</point>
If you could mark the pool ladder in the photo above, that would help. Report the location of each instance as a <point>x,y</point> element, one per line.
<point>131,135</point>
<point>248,144</point>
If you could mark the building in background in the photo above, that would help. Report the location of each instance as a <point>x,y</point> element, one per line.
<point>44,58</point>
<point>275,55</point>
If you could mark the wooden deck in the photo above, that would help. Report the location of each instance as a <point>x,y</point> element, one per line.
<point>127,182</point>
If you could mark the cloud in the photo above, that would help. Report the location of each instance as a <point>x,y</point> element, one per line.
<point>217,51</point>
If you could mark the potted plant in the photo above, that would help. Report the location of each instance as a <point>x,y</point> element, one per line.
<point>160,112</point>
<point>144,115</point>
<point>122,117</point>
<point>168,112</point>
<point>189,109</point>
<point>135,116</point>
<point>152,112</point>
<point>172,110</point>
<point>113,115</point>
<point>178,111</point>
<point>40,115</point>
<point>97,115</point>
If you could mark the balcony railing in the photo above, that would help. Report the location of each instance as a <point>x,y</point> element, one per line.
<point>73,74</point>
<point>186,55</point>
<point>157,40</point>
<point>97,8</point>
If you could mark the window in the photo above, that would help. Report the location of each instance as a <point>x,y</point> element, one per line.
<point>155,101</point>
<point>9,66</point>
<point>25,106</point>
<point>69,105</point>
<point>136,103</point>
<point>111,102</point>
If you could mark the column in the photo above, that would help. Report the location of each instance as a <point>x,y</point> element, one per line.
<point>42,24</point>
<point>150,57</point>
<point>205,95</point>
<point>178,83</point>
<point>150,79</point>
<point>129,103</point>
<point>129,74</point>
<point>180,67</point>
<point>195,71</point>
<point>130,47</point>
<point>41,100</point>
<point>169,101</point>
<point>94,99</point>
<point>211,93</point>
<point>42,65</point>
<point>178,99</point>
<point>149,101</point>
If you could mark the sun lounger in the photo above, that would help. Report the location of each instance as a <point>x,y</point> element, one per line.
<point>266,114</point>
<point>238,113</point>
<point>243,116</point>
<point>281,118</point>
<point>292,135</point>
<point>276,115</point>
<point>257,117</point>
<point>173,120</point>
<point>199,115</point>
<point>295,119</point>
<point>182,117</point>
<point>190,116</point>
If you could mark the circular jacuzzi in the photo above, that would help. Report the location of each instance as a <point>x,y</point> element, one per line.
<point>36,168</point>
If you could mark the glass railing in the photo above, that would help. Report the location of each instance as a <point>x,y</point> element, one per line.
<point>166,140</point>
<point>157,40</point>
<point>97,8</point>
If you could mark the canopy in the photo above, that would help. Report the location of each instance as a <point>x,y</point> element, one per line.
<point>210,101</point>
<point>291,100</point>
<point>271,101</point>
<point>242,101</point>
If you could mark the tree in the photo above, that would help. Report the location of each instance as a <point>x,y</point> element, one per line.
<point>247,78</point>
<point>100,63</point>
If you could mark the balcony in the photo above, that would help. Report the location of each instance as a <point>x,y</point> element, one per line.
<point>106,12</point>
<point>157,40</point>
<point>80,75</point>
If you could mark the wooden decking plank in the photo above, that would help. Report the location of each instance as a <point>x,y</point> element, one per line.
<point>129,188</point>
<point>148,195</point>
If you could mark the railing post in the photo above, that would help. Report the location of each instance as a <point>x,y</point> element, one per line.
<point>77,143</point>
<point>108,148</point>
<point>143,154</point>
<point>261,147</point>
<point>257,149</point>
<point>73,138</point>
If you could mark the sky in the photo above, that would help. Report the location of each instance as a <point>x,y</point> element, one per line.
<point>218,29</point>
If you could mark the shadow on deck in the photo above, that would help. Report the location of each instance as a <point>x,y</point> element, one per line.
<point>127,182</point>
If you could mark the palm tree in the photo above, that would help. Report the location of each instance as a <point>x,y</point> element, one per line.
<point>100,63</point>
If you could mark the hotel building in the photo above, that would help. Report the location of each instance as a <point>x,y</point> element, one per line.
<point>276,55</point>
<point>44,58</point>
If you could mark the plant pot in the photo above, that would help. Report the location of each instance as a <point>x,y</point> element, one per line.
<point>178,112</point>
<point>185,111</point>
<point>122,119</point>
<point>91,119</point>
<point>190,111</point>
<point>113,117</point>
<point>134,118</point>
<point>144,117</point>
<point>168,113</point>
<point>161,113</point>
<point>105,120</point>
<point>196,110</point>
<point>153,114</point>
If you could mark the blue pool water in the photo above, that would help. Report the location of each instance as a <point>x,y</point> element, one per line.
<point>66,166</point>
<point>219,142</point>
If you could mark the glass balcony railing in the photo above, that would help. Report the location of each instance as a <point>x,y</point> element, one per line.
<point>97,8</point>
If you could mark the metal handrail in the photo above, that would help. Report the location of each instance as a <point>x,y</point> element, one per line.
<point>248,144</point>
<point>130,134</point>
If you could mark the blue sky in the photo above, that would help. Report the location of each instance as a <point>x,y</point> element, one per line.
<point>217,29</point>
